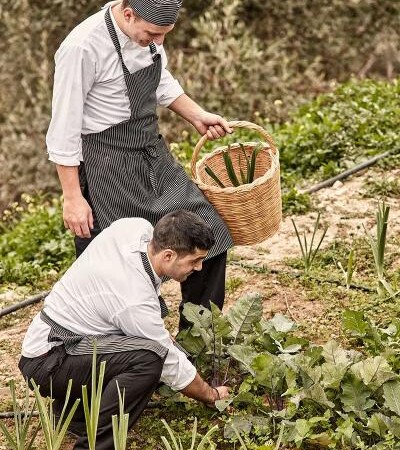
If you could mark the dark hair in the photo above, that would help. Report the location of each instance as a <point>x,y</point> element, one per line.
<point>183,232</point>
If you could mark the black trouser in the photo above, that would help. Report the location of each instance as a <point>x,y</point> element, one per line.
<point>138,372</point>
<point>200,288</point>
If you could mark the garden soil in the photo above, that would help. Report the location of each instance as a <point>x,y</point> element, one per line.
<point>343,207</point>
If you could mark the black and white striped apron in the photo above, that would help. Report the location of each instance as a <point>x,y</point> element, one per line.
<point>77,344</point>
<point>128,169</point>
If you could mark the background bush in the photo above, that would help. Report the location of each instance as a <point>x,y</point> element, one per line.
<point>236,57</point>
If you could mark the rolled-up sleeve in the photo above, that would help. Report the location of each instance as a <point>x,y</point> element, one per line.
<point>169,88</point>
<point>144,320</point>
<point>73,78</point>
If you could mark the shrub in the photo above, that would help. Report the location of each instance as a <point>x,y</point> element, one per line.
<point>337,130</point>
<point>33,242</point>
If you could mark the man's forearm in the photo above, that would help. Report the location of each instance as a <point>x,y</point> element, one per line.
<point>186,108</point>
<point>200,390</point>
<point>69,179</point>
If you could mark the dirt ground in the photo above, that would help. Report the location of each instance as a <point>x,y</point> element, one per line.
<point>342,206</point>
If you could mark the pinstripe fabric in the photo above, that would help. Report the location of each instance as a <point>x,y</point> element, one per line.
<point>149,271</point>
<point>76,344</point>
<point>130,171</point>
<point>158,12</point>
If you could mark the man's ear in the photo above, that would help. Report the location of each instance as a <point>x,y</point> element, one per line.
<point>168,255</point>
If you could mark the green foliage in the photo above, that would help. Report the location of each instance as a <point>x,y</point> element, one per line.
<point>21,438</point>
<point>92,410</point>
<point>204,444</point>
<point>33,242</point>
<point>308,251</point>
<point>265,61</point>
<point>378,246</point>
<point>382,186</point>
<point>54,429</point>
<point>120,424</point>
<point>308,395</point>
<point>341,128</point>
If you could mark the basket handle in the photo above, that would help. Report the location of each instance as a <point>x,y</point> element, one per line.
<point>233,124</point>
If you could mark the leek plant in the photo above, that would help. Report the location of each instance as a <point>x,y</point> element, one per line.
<point>378,248</point>
<point>120,427</point>
<point>19,439</point>
<point>204,444</point>
<point>308,251</point>
<point>54,429</point>
<point>349,271</point>
<point>233,177</point>
<point>92,412</point>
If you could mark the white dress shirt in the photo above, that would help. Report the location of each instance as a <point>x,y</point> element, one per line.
<point>107,291</point>
<point>89,93</point>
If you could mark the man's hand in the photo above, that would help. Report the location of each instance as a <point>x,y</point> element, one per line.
<point>219,393</point>
<point>77,215</point>
<point>211,124</point>
<point>202,391</point>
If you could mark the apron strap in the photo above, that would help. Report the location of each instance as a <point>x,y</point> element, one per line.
<point>149,271</point>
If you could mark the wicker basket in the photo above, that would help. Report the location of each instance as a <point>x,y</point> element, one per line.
<point>252,212</point>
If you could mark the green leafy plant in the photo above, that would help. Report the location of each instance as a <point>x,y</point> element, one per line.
<point>120,425</point>
<point>204,444</point>
<point>54,429</point>
<point>92,411</point>
<point>233,177</point>
<point>378,246</point>
<point>34,245</point>
<point>308,251</point>
<point>19,439</point>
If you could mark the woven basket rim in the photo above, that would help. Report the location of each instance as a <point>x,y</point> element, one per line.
<point>274,155</point>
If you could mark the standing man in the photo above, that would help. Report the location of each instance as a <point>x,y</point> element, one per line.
<point>111,294</point>
<point>112,162</point>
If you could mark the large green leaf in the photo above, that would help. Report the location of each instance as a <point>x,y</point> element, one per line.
<point>193,343</point>
<point>270,372</point>
<point>355,395</point>
<point>332,375</point>
<point>335,354</point>
<point>246,312</point>
<point>282,323</point>
<point>198,315</point>
<point>220,324</point>
<point>315,393</point>
<point>379,424</point>
<point>391,394</point>
<point>373,371</point>
<point>243,354</point>
<point>355,322</point>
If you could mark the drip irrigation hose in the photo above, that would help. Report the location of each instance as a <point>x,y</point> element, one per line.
<point>315,188</point>
<point>264,269</point>
<point>346,173</point>
<point>29,301</point>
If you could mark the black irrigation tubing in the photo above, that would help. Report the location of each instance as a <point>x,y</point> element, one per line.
<point>29,301</point>
<point>346,173</point>
<point>315,188</point>
<point>10,414</point>
<point>264,269</point>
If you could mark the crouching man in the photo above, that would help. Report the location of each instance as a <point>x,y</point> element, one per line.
<point>111,294</point>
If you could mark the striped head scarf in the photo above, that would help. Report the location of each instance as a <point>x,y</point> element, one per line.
<point>157,12</point>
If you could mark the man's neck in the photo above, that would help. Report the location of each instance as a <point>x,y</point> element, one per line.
<point>155,263</point>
